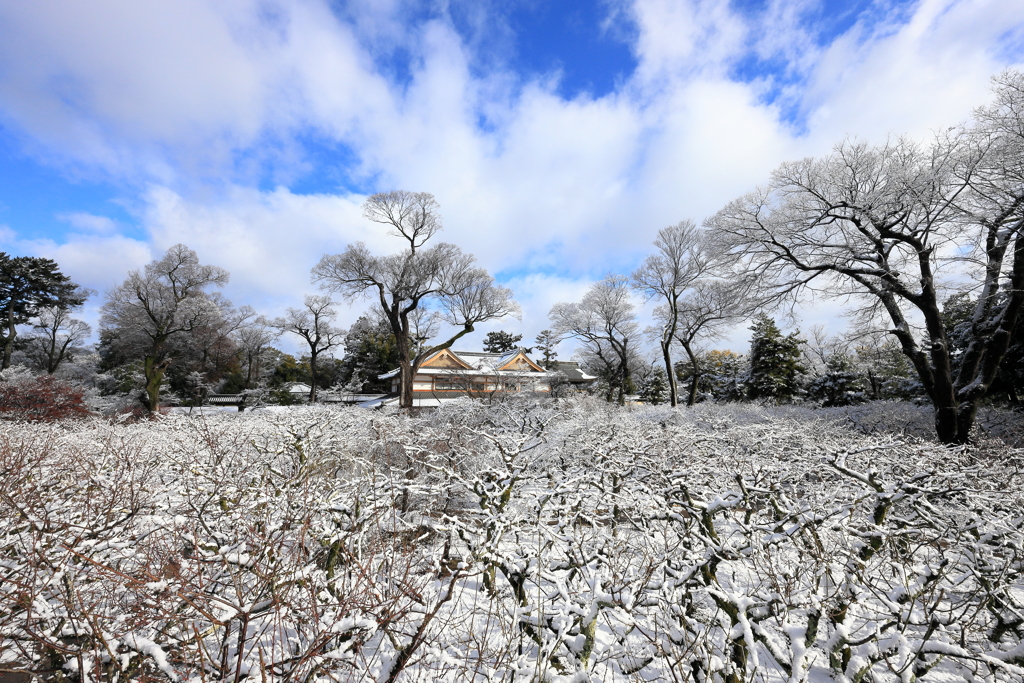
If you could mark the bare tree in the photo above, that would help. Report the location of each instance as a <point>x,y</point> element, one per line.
<point>211,346</point>
<point>820,347</point>
<point>886,225</point>
<point>682,259</point>
<point>312,322</point>
<point>700,315</point>
<point>150,308</point>
<point>605,321</point>
<point>440,278</point>
<point>57,336</point>
<point>252,340</point>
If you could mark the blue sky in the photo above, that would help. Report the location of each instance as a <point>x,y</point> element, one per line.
<point>557,136</point>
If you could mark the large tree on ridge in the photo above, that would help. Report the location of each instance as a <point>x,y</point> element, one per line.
<point>419,285</point>
<point>891,226</point>
<point>151,307</point>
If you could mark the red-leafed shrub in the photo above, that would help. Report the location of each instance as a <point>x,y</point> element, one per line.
<point>44,398</point>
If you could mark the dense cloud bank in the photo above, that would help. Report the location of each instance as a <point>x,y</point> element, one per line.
<point>562,541</point>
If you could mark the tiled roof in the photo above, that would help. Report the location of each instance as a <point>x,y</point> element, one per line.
<point>571,369</point>
<point>480,360</point>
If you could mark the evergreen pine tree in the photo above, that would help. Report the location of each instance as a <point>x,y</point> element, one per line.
<point>29,284</point>
<point>653,387</point>
<point>840,385</point>
<point>370,351</point>
<point>775,368</point>
<point>502,342</point>
<point>545,345</point>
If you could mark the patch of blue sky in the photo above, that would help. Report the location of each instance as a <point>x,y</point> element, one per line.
<point>36,199</point>
<point>307,163</point>
<point>581,43</point>
<point>333,170</point>
<point>579,40</point>
<point>552,261</point>
<point>820,23</point>
<point>778,82</point>
<point>831,19</point>
<point>396,65</point>
<point>394,53</point>
<point>1010,46</point>
<point>507,275</point>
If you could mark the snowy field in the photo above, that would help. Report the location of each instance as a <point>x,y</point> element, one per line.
<point>519,542</point>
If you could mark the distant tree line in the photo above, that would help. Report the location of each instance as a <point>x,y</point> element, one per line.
<point>923,239</point>
<point>894,229</point>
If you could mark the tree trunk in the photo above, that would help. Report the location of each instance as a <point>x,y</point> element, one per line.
<point>691,400</point>
<point>154,372</point>
<point>673,394</point>
<point>981,363</point>
<point>12,332</point>
<point>52,359</point>
<point>946,424</point>
<point>624,383</point>
<point>248,372</point>
<point>943,393</point>
<point>627,380</point>
<point>875,385</point>
<point>405,376</point>
<point>312,375</point>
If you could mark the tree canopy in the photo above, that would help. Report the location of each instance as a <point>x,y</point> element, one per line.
<point>501,341</point>
<point>313,323</point>
<point>417,288</point>
<point>890,226</point>
<point>28,284</point>
<point>57,336</point>
<point>151,307</point>
<point>605,322</point>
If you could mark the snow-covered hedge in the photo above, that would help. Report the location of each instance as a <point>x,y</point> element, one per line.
<point>518,542</point>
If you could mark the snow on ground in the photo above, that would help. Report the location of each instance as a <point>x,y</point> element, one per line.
<point>569,541</point>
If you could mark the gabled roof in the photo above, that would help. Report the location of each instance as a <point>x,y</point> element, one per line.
<point>572,370</point>
<point>515,360</point>
<point>447,359</point>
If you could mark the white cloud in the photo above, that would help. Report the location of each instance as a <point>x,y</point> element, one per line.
<point>94,261</point>
<point>90,222</point>
<point>268,241</point>
<point>682,38</point>
<point>537,293</point>
<point>925,75</point>
<point>192,100</point>
<point>170,89</point>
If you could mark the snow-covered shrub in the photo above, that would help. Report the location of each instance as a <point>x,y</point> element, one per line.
<point>256,397</point>
<point>838,385</point>
<point>559,384</point>
<point>905,419</point>
<point>519,541</point>
<point>24,396</point>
